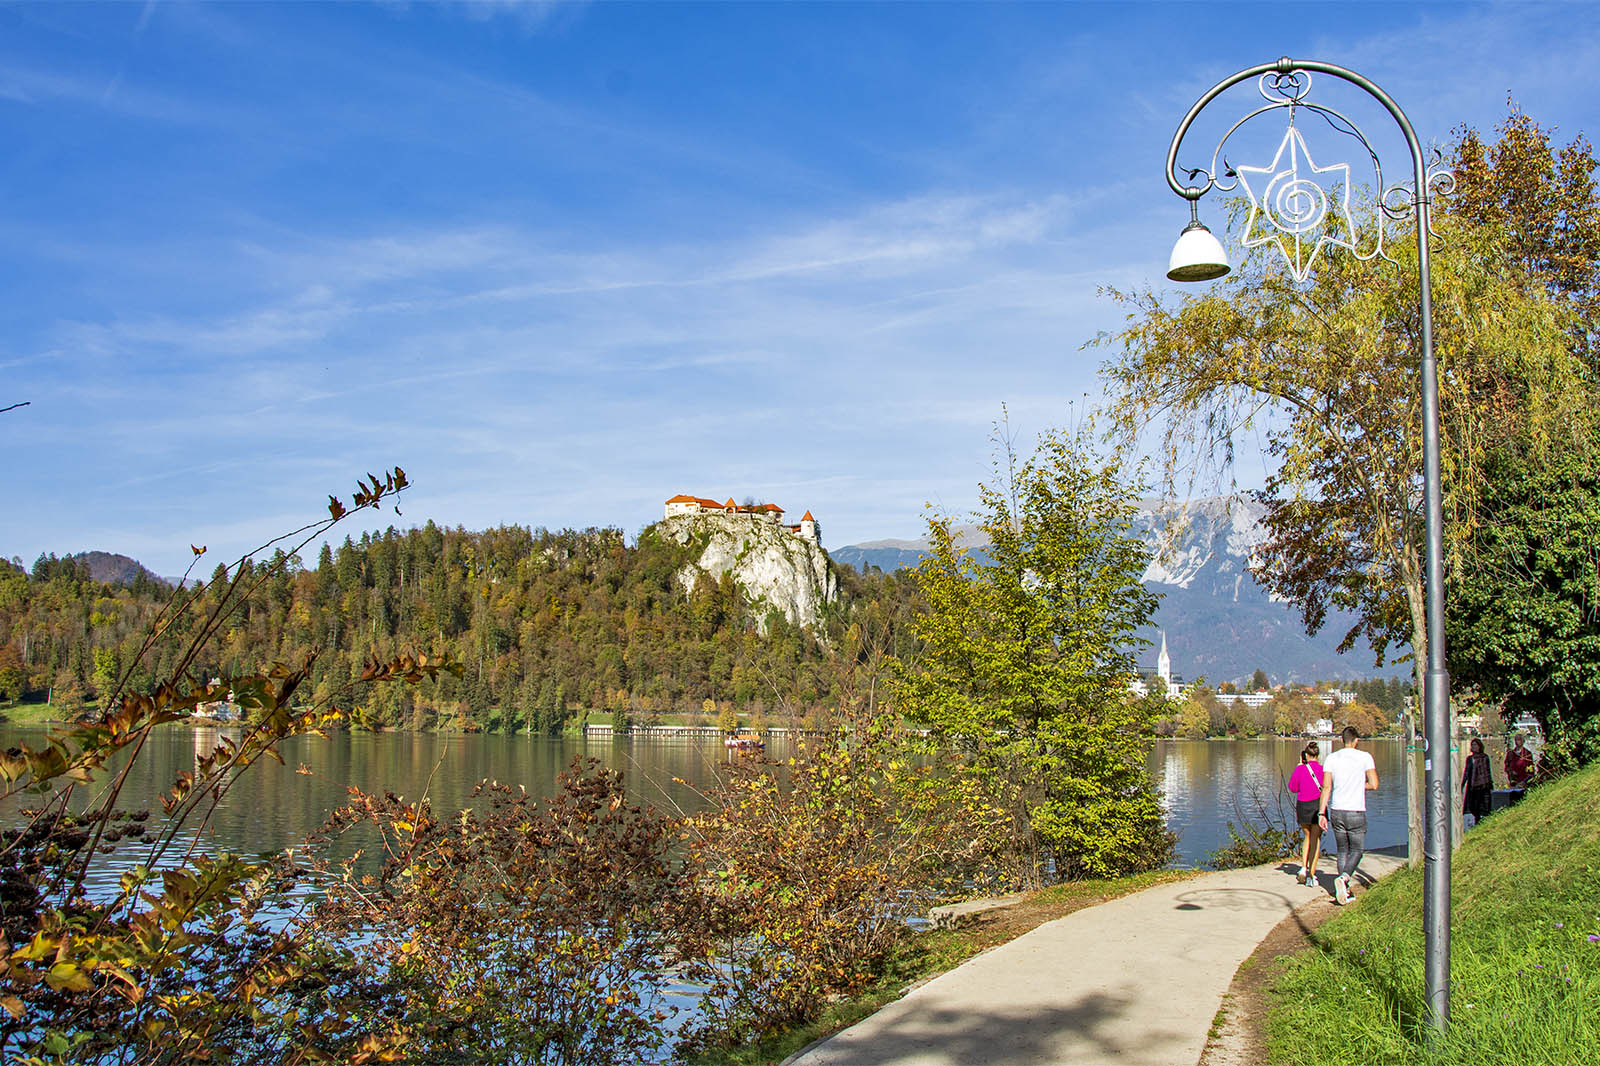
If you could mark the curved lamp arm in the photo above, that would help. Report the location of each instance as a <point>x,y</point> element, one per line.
<point>1436,692</point>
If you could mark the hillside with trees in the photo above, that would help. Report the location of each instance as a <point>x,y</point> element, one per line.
<point>549,627</point>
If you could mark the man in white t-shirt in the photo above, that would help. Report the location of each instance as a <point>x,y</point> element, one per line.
<point>1347,776</point>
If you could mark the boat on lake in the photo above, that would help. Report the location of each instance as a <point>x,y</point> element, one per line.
<point>745,742</point>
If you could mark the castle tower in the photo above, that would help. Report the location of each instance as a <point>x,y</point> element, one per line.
<point>1164,662</point>
<point>809,529</point>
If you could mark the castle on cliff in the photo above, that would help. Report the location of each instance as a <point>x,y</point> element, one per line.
<point>770,513</point>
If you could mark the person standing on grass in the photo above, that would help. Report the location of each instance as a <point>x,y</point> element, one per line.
<point>1477,784</point>
<point>1306,784</point>
<point>1519,764</point>
<point>1347,777</point>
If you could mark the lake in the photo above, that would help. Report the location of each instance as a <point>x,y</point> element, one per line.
<point>1205,782</point>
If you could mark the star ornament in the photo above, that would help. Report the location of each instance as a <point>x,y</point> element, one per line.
<point>1290,201</point>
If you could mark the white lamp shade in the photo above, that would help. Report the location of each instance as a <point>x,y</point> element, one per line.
<point>1198,256</point>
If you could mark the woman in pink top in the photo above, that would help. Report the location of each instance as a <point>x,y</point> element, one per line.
<point>1306,784</point>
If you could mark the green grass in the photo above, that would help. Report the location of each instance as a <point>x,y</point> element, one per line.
<point>33,714</point>
<point>1525,952</point>
<point>931,952</point>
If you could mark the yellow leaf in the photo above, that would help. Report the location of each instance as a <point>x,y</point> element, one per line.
<point>66,975</point>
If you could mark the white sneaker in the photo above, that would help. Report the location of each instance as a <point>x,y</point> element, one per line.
<point>1341,891</point>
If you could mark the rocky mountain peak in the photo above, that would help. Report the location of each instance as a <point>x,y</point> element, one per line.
<point>1218,622</point>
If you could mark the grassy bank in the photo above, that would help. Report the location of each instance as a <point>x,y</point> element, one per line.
<point>33,714</point>
<point>931,952</point>
<point>1525,952</point>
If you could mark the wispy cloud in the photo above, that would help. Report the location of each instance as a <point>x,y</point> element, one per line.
<point>337,238</point>
<point>25,84</point>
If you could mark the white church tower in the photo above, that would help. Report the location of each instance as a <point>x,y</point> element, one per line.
<point>1164,663</point>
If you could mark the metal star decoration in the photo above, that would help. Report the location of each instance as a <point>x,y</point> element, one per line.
<point>1295,205</point>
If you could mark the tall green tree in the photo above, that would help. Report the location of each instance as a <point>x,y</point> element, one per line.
<point>1028,652</point>
<point>1523,624</point>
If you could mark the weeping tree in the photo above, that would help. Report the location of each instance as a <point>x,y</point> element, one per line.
<point>1325,374</point>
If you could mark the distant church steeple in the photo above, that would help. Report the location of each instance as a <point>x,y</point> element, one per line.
<point>1164,661</point>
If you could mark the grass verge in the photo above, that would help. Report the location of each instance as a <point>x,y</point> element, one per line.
<point>1525,952</point>
<point>930,952</point>
<point>32,714</point>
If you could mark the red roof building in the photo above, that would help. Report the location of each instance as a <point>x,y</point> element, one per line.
<point>683,504</point>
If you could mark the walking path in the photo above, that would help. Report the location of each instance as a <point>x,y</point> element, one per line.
<point>1136,980</point>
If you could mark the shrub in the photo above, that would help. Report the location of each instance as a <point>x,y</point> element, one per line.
<point>802,876</point>
<point>1262,834</point>
<point>190,956</point>
<point>514,933</point>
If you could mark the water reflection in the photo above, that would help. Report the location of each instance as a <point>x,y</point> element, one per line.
<point>274,806</point>
<point>1204,781</point>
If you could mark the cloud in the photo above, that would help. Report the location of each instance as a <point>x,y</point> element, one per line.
<point>846,334</point>
<point>109,93</point>
<point>526,14</point>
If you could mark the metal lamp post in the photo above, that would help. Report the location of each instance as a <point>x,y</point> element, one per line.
<point>1298,213</point>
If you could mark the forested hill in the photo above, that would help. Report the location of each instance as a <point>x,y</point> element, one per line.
<point>116,569</point>
<point>548,625</point>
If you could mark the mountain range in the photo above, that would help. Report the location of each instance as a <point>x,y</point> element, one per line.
<point>1218,622</point>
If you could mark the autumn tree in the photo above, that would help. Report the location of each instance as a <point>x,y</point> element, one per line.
<point>1027,657</point>
<point>1195,714</point>
<point>1542,200</point>
<point>1522,608</point>
<point>13,677</point>
<point>516,931</point>
<point>178,960</point>
<point>1326,372</point>
<point>799,879</point>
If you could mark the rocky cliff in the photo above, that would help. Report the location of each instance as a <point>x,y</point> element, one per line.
<point>771,564</point>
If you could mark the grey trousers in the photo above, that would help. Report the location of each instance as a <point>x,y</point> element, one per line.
<point>1349,836</point>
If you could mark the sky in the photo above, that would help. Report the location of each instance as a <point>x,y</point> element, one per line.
<point>563,261</point>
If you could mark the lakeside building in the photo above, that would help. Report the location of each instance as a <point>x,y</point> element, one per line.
<point>769,513</point>
<point>223,710</point>
<point>1255,699</point>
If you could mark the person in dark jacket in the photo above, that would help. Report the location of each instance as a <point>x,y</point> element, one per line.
<point>1477,783</point>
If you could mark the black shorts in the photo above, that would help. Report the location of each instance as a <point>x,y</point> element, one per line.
<point>1306,811</point>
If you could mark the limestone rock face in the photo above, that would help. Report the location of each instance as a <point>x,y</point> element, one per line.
<point>771,564</point>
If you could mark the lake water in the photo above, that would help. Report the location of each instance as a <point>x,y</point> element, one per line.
<point>1205,782</point>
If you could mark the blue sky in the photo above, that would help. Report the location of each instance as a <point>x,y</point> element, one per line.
<point>561,262</point>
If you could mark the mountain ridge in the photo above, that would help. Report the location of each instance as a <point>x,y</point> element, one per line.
<point>1219,623</point>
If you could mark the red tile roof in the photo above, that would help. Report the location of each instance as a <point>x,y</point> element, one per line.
<point>807,517</point>
<point>758,508</point>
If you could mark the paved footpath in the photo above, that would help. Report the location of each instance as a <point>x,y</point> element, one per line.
<point>1135,980</point>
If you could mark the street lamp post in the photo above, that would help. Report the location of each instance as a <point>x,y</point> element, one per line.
<point>1299,215</point>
